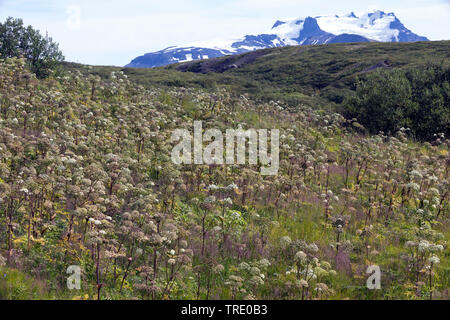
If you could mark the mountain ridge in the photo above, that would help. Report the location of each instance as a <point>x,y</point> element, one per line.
<point>375,26</point>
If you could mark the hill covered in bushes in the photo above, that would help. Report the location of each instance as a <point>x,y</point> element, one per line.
<point>334,76</point>
<point>86,179</point>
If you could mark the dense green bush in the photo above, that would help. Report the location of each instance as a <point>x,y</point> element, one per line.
<point>16,40</point>
<point>417,98</point>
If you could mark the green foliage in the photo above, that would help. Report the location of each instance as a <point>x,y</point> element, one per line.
<point>417,98</point>
<point>326,77</point>
<point>15,285</point>
<point>17,40</point>
<point>86,179</point>
<point>317,76</point>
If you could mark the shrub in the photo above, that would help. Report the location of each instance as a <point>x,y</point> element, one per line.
<point>417,98</point>
<point>16,40</point>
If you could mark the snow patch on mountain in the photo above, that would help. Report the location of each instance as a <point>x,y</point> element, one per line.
<point>288,31</point>
<point>374,26</point>
<point>371,26</point>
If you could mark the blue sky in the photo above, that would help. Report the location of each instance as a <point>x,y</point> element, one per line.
<point>112,32</point>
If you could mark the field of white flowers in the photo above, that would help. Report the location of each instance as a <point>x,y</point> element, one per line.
<point>86,180</point>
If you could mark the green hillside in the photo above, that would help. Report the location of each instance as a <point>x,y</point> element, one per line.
<point>86,179</point>
<point>314,75</point>
<point>384,86</point>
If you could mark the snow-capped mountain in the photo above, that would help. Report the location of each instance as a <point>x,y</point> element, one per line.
<point>368,27</point>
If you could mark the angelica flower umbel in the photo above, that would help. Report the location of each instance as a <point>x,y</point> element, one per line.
<point>285,241</point>
<point>434,260</point>
<point>218,268</point>
<point>424,245</point>
<point>300,257</point>
<point>263,263</point>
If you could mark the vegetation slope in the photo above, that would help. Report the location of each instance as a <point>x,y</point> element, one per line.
<point>86,179</point>
<point>314,75</point>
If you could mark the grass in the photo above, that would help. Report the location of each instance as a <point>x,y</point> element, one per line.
<point>312,75</point>
<point>15,285</point>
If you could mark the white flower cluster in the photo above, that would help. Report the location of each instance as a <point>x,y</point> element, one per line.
<point>285,241</point>
<point>424,246</point>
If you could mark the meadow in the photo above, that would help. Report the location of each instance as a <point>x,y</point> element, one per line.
<point>86,179</point>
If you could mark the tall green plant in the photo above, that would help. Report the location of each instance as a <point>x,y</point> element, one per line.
<point>41,52</point>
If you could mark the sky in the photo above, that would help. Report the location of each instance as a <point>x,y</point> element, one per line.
<point>113,32</point>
